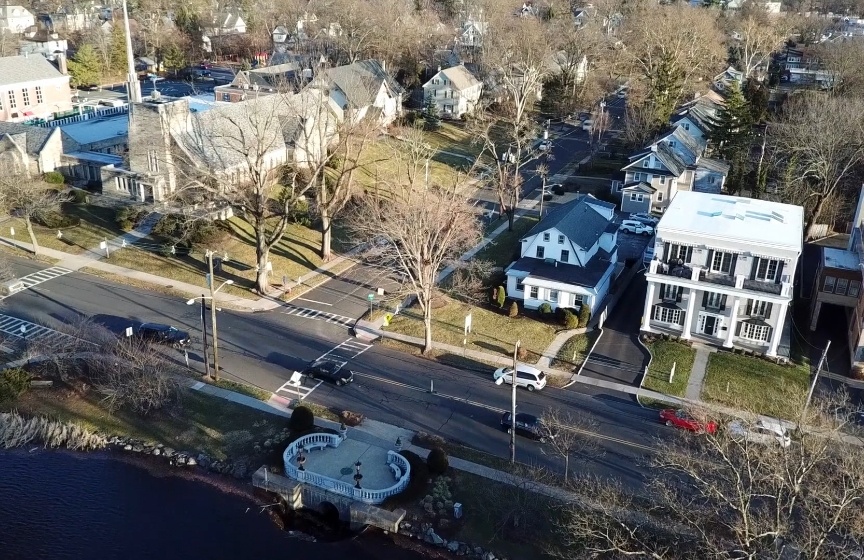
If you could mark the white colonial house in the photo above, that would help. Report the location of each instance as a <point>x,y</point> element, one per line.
<point>723,270</point>
<point>363,90</point>
<point>455,91</point>
<point>15,18</point>
<point>569,259</point>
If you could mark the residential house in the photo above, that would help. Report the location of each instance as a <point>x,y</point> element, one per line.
<point>363,89</point>
<point>31,150</point>
<point>569,258</point>
<point>225,23</point>
<point>42,42</point>
<point>801,65</point>
<point>560,61</point>
<point>472,31</point>
<point>653,177</point>
<point>455,91</point>
<point>728,78</point>
<point>723,270</point>
<point>281,78</point>
<point>837,288</point>
<point>31,87</point>
<point>15,19</point>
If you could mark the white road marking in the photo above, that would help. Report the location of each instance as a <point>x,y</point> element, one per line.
<point>339,355</point>
<point>12,326</point>
<point>39,277</point>
<point>326,316</point>
<point>314,301</point>
<point>294,391</point>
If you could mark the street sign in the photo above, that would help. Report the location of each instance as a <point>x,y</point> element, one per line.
<point>128,331</point>
<point>371,297</point>
<point>12,231</point>
<point>103,245</point>
<point>467,323</point>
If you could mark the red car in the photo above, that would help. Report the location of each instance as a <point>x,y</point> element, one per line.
<point>680,419</point>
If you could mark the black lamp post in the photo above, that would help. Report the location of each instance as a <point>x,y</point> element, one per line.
<point>301,459</point>
<point>358,477</point>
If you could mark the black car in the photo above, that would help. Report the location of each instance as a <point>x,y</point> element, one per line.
<point>163,334</point>
<point>328,371</point>
<point>527,425</point>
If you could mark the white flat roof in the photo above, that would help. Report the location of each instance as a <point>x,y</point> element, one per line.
<point>744,220</point>
<point>840,258</point>
<point>98,129</point>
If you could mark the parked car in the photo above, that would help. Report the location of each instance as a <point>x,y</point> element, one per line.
<point>622,92</point>
<point>554,188</point>
<point>645,219</point>
<point>331,372</point>
<point>680,419</point>
<point>633,226</point>
<point>545,146</point>
<point>112,102</point>
<point>765,432</point>
<point>163,334</point>
<point>526,376</point>
<point>588,125</point>
<point>527,425</point>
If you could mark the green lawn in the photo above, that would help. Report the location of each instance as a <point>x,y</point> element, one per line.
<point>96,224</point>
<point>665,353</point>
<point>453,137</point>
<point>199,422</point>
<point>492,331</point>
<point>380,165</point>
<point>756,385</point>
<point>502,249</point>
<point>574,351</point>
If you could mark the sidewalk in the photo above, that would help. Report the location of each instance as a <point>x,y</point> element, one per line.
<point>697,372</point>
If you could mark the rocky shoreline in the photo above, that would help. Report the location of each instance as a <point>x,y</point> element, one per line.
<point>238,468</point>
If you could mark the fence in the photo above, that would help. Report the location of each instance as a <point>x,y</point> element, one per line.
<point>98,113</point>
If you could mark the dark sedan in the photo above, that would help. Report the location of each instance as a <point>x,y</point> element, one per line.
<point>163,334</point>
<point>527,425</point>
<point>331,372</point>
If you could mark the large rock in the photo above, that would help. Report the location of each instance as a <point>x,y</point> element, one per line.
<point>191,461</point>
<point>453,546</point>
<point>204,461</point>
<point>240,470</point>
<point>157,451</point>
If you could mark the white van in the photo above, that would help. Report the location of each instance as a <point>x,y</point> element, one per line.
<point>765,432</point>
<point>526,376</point>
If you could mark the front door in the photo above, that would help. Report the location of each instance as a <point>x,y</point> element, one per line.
<point>710,326</point>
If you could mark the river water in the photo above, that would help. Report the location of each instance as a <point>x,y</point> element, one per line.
<point>70,506</point>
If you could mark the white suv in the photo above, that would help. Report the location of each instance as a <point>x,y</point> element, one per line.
<point>526,376</point>
<point>764,432</point>
<point>634,226</point>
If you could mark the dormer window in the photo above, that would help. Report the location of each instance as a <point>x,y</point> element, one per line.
<point>546,236</point>
<point>560,240</point>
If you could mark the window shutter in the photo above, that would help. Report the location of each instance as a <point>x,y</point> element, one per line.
<point>754,267</point>
<point>704,299</point>
<point>666,252</point>
<point>678,295</point>
<point>779,272</point>
<point>770,333</point>
<point>768,307</point>
<point>662,292</point>
<point>733,264</point>
<point>710,259</point>
<point>749,307</point>
<point>723,303</point>
<point>738,329</point>
<point>689,254</point>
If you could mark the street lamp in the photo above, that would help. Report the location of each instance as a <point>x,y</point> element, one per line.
<point>212,298</point>
<point>357,477</point>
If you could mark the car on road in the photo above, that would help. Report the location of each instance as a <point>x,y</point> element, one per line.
<point>681,419</point>
<point>545,146</point>
<point>526,376</point>
<point>637,227</point>
<point>622,92</point>
<point>764,432</point>
<point>527,425</point>
<point>588,125</point>
<point>331,372</point>
<point>163,334</point>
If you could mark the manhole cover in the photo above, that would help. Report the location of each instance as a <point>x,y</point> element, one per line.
<point>346,470</point>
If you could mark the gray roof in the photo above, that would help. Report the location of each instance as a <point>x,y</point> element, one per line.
<point>712,164</point>
<point>639,186</point>
<point>31,138</point>
<point>461,78</point>
<point>578,220</point>
<point>21,69</point>
<point>361,81</point>
<point>587,276</point>
<point>661,150</point>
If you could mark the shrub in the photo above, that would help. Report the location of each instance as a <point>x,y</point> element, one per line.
<point>419,481</point>
<point>351,418</point>
<point>584,316</point>
<point>54,178</point>
<point>494,296</point>
<point>302,420</point>
<point>127,217</point>
<point>502,296</point>
<point>571,320</point>
<point>13,383</point>
<point>55,220</point>
<point>514,310</point>
<point>522,353</point>
<point>80,197</point>
<point>547,197</point>
<point>437,461</point>
<point>545,309</point>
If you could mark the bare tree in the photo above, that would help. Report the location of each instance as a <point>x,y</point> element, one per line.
<point>819,143</point>
<point>567,435</point>
<point>842,62</point>
<point>26,199</point>
<point>639,126</point>
<point>756,37</point>
<point>417,230</point>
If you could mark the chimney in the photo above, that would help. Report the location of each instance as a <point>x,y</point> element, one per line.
<point>61,63</point>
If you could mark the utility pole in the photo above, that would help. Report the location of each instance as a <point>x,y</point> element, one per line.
<point>513,405</point>
<point>204,330</point>
<point>213,315</point>
<point>815,380</point>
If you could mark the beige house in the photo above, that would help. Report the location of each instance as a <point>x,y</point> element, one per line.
<point>455,91</point>
<point>31,87</point>
<point>15,19</point>
<point>363,89</point>
<point>31,150</point>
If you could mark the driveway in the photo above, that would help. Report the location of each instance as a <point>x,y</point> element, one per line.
<point>618,356</point>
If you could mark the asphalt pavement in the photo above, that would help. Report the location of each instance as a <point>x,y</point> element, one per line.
<point>265,348</point>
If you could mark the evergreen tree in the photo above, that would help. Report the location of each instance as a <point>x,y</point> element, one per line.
<point>85,67</point>
<point>430,114</point>
<point>173,58</point>
<point>118,52</point>
<point>757,95</point>
<point>733,128</point>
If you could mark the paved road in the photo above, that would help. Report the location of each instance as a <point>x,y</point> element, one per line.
<point>348,294</point>
<point>264,348</point>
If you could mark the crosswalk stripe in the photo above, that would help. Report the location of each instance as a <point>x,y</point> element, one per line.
<point>40,276</point>
<point>307,313</point>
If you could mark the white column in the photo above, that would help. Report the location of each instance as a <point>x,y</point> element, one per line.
<point>778,331</point>
<point>733,321</point>
<point>649,304</point>
<point>688,318</point>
